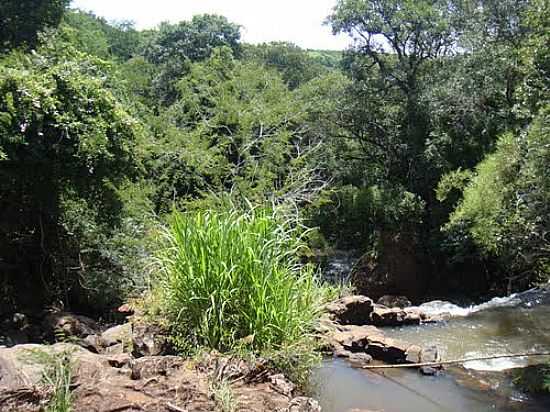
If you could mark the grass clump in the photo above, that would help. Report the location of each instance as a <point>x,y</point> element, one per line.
<point>57,377</point>
<point>223,396</point>
<point>231,280</point>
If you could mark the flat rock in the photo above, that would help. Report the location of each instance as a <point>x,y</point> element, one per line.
<point>384,316</point>
<point>351,310</point>
<point>117,334</point>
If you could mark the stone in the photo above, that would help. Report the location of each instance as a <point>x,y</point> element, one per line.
<point>282,385</point>
<point>360,359</point>
<point>383,316</point>
<point>68,325</point>
<point>115,349</point>
<point>351,310</point>
<point>355,338</point>
<point>147,367</point>
<point>93,343</point>
<point>413,354</point>
<point>303,404</point>
<point>430,354</point>
<point>117,334</point>
<point>119,360</point>
<point>342,353</point>
<point>397,269</point>
<point>149,340</point>
<point>392,301</point>
<point>104,382</point>
<point>387,349</point>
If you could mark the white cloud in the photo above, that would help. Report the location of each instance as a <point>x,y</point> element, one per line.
<point>298,21</point>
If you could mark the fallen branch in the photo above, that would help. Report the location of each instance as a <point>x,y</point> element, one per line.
<point>454,362</point>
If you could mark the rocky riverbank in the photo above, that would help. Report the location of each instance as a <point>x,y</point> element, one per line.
<point>129,368</point>
<point>350,330</point>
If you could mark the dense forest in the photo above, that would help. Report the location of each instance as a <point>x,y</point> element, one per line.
<point>207,180</point>
<point>424,148</point>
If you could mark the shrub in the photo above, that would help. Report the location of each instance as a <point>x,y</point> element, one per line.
<point>230,280</point>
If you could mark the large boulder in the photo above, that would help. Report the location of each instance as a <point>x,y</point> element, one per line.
<point>360,310</point>
<point>349,341</point>
<point>351,310</point>
<point>68,325</point>
<point>384,316</point>
<point>398,269</point>
<point>149,340</point>
<point>120,334</point>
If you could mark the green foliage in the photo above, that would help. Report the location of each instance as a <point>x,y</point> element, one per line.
<point>174,47</point>
<point>353,217</point>
<point>232,279</point>
<point>22,20</point>
<point>505,206</point>
<point>194,40</point>
<point>295,65</point>
<point>533,379</point>
<point>69,150</point>
<point>240,129</point>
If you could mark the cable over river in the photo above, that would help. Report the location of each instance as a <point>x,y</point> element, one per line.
<point>516,324</point>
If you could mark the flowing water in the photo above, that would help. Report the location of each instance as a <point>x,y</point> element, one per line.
<point>516,324</point>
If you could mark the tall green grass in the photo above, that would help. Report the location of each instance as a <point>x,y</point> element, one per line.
<point>230,279</point>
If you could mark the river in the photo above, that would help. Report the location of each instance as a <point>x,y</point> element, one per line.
<point>516,324</point>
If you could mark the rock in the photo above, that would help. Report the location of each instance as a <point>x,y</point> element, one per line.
<point>383,316</point>
<point>387,349</point>
<point>430,354</point>
<point>355,338</point>
<point>119,383</point>
<point>303,404</point>
<point>149,340</point>
<point>351,310</point>
<point>429,370</point>
<point>119,360</point>
<point>360,359</point>
<point>117,334</point>
<point>68,325</point>
<point>147,367</point>
<point>126,310</point>
<point>397,269</point>
<point>392,301</point>
<point>413,354</point>
<point>282,385</point>
<point>351,339</point>
<point>115,349</point>
<point>340,352</point>
<point>93,343</point>
<point>440,317</point>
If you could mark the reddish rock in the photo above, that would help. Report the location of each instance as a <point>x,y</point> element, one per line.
<point>351,310</point>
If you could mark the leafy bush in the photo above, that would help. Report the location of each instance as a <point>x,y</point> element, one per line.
<point>230,280</point>
<point>505,207</point>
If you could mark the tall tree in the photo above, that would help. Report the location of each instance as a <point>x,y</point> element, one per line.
<point>22,20</point>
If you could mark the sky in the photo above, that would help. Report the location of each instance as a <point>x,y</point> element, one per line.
<point>297,21</point>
